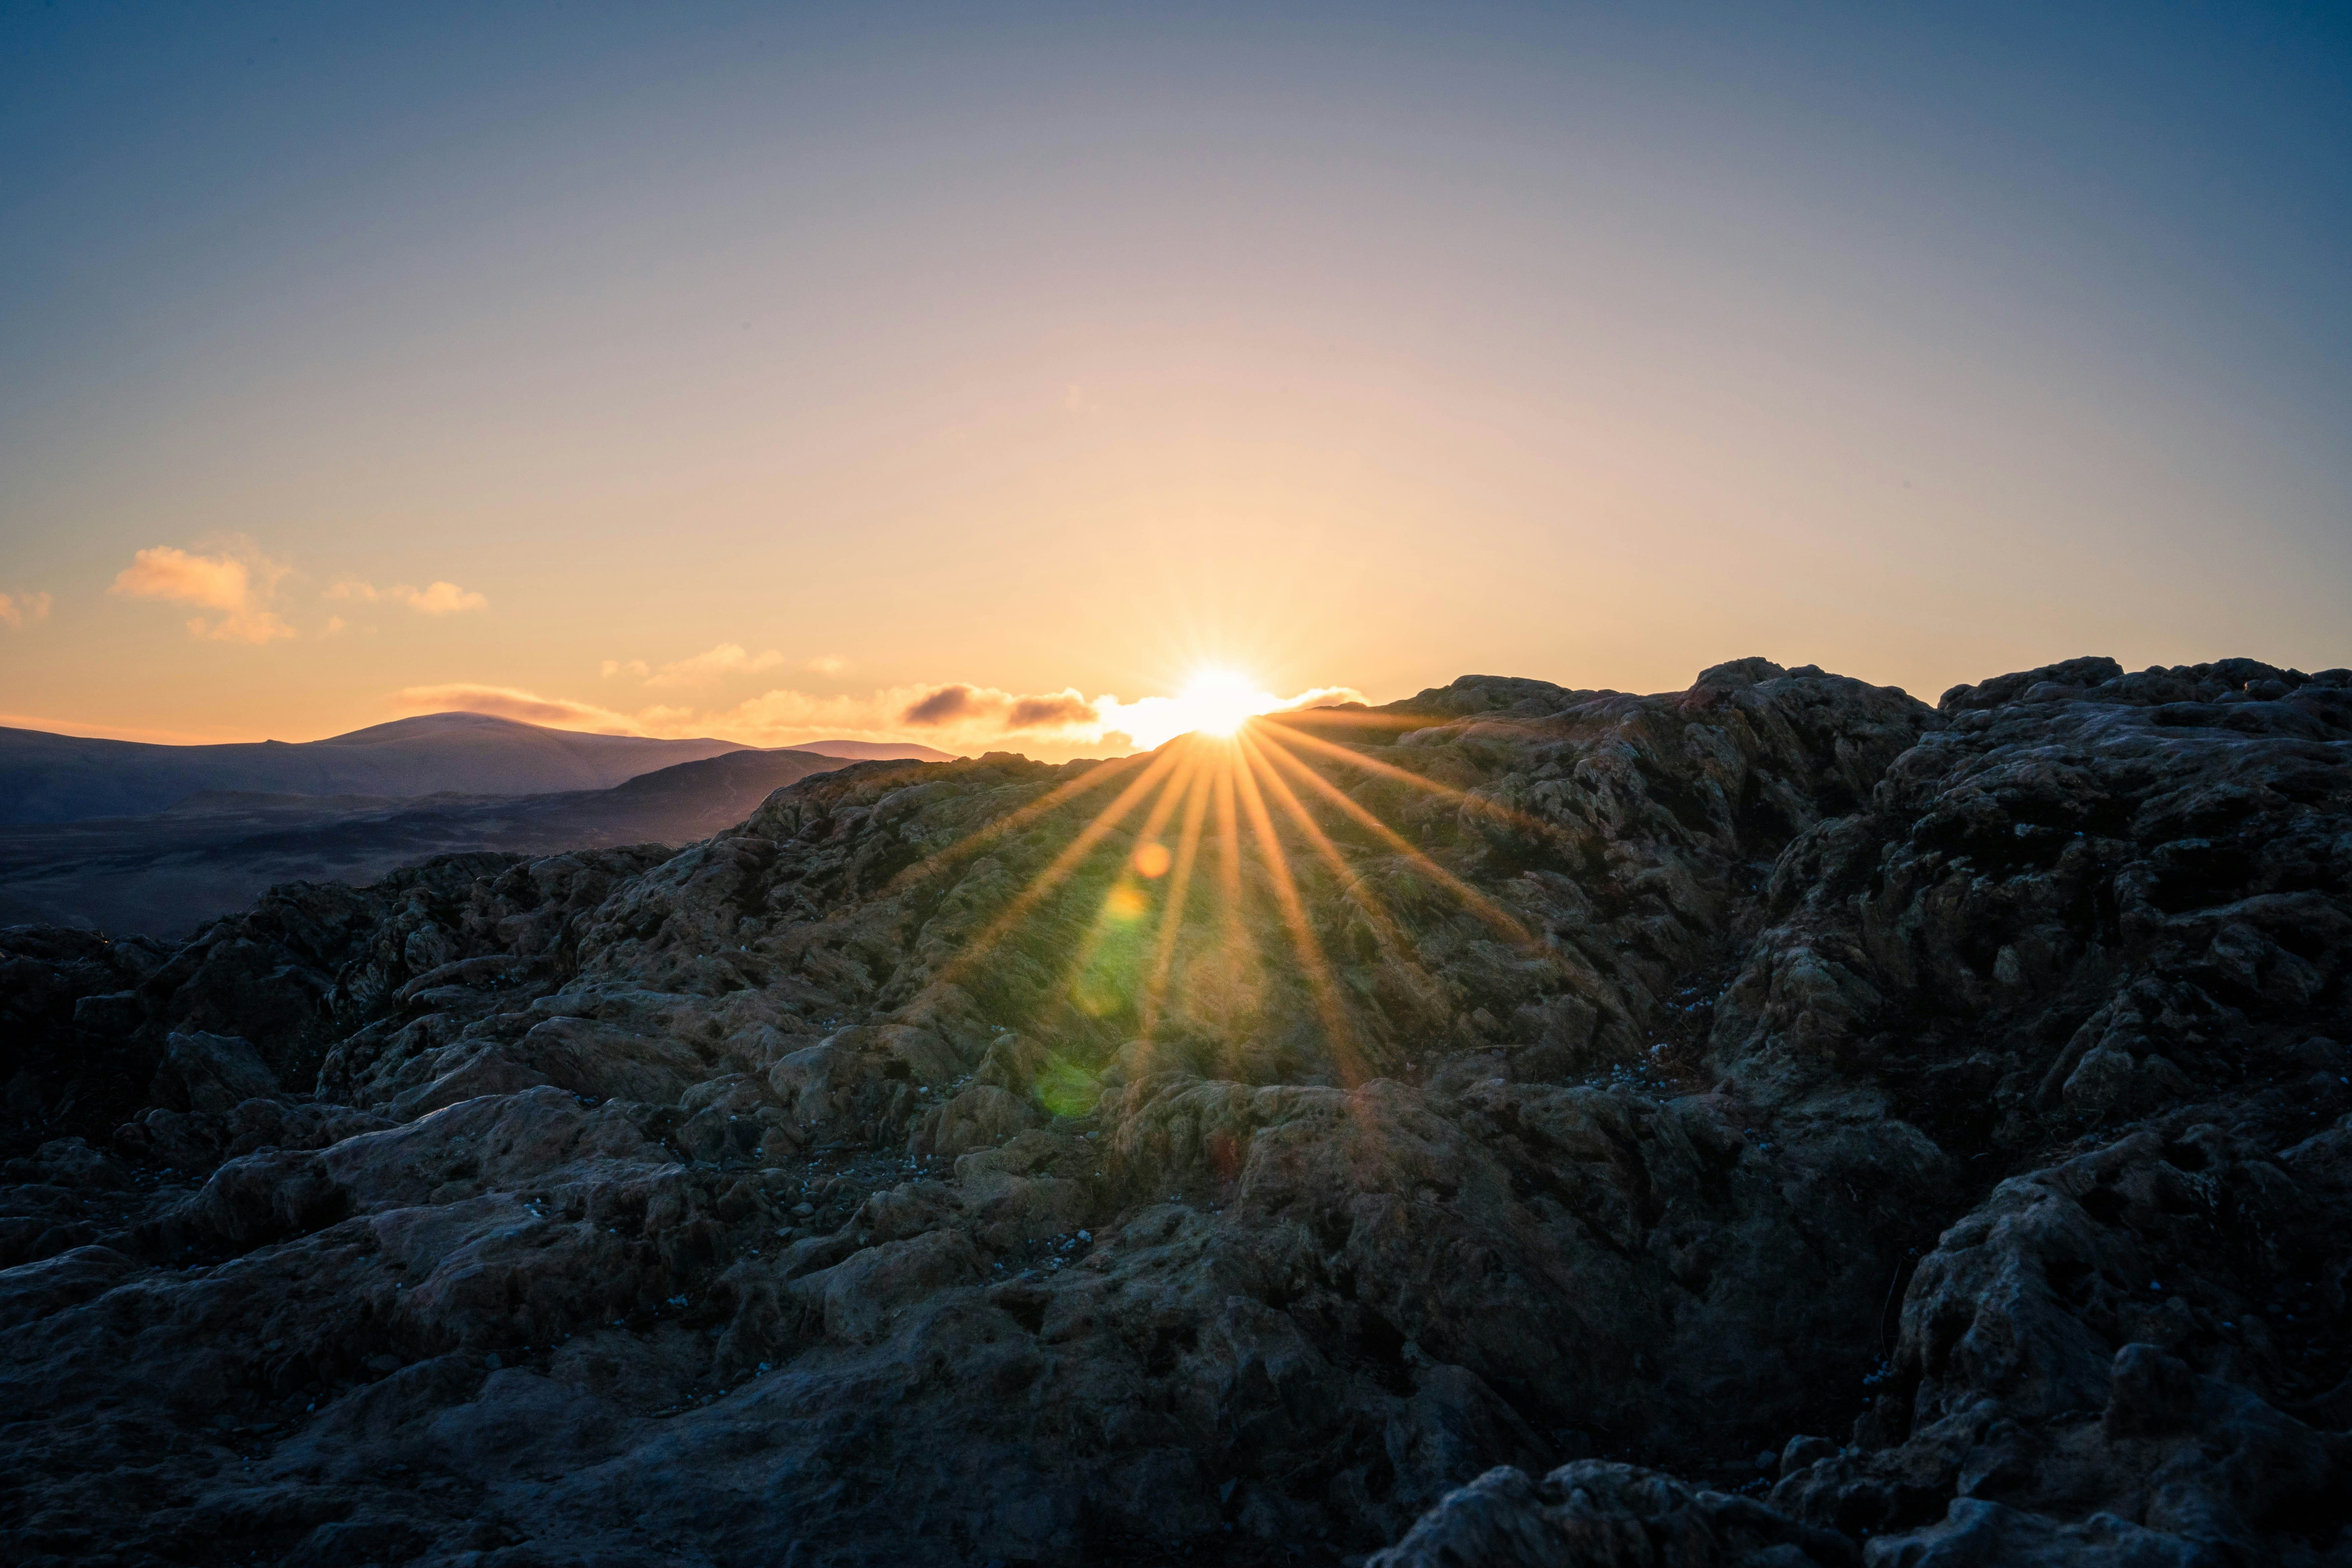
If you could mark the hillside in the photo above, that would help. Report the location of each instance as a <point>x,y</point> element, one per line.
<point>1776,1122</point>
<point>215,852</point>
<point>66,778</point>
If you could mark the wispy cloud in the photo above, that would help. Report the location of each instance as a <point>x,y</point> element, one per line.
<point>435,598</point>
<point>727,658</point>
<point>240,584</point>
<point>722,661</point>
<point>510,702</point>
<point>778,716</point>
<point>441,599</point>
<point>16,610</point>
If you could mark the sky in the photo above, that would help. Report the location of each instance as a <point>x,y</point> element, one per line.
<point>980,374</point>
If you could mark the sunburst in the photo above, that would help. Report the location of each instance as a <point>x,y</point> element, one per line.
<point>1232,772</point>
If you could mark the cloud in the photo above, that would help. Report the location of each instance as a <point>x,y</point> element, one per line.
<point>239,585</point>
<point>715,663</point>
<point>727,658</point>
<point>15,609</point>
<point>1060,711</point>
<point>435,598</point>
<point>1320,697</point>
<point>508,703</point>
<point>440,599</point>
<point>942,707</point>
<point>968,707</point>
<point>782,714</point>
<point>215,582</point>
<point>773,719</point>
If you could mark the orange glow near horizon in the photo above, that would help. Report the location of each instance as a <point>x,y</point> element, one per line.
<point>1220,700</point>
<point>1215,702</point>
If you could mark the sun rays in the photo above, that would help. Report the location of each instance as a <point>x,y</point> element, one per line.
<point>1164,941</point>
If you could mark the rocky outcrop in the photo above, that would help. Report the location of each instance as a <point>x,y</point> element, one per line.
<point>1776,1122</point>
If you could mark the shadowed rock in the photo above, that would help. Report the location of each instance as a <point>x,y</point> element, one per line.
<point>1777,1123</point>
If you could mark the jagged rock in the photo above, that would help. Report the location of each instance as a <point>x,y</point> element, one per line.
<point>1593,1514</point>
<point>981,1115</point>
<point>211,1073</point>
<point>1978,1534</point>
<point>35,1290</point>
<point>1667,1075</point>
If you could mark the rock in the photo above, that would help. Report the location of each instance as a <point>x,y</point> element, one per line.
<point>2101,1081</point>
<point>58,1078</point>
<point>1593,1514</point>
<point>36,1291</point>
<point>857,1298</point>
<point>2149,1394</point>
<point>115,1013</point>
<point>1980,1534</point>
<point>213,1073</point>
<point>473,1078</point>
<point>1737,673</point>
<point>978,1117</point>
<point>1666,1075</point>
<point>259,1199</point>
<point>1803,1452</point>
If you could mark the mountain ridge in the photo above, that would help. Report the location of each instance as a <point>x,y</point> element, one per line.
<point>214,852</point>
<point>48,777</point>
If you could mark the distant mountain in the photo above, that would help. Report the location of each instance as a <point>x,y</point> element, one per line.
<point>875,751</point>
<point>71,778</point>
<point>216,851</point>
<point>66,778</point>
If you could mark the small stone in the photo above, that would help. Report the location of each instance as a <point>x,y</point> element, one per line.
<point>1803,1452</point>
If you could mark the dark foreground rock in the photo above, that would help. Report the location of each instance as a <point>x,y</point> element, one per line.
<point>1774,1123</point>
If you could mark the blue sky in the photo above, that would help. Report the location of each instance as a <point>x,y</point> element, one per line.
<point>1049,349</point>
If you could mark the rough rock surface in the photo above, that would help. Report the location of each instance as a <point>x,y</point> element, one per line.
<point>1774,1123</point>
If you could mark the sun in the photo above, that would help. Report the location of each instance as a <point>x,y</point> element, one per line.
<point>1220,701</point>
<point>1216,701</point>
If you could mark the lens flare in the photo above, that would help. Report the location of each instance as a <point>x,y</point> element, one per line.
<point>1109,919</point>
<point>1219,701</point>
<point>1215,702</point>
